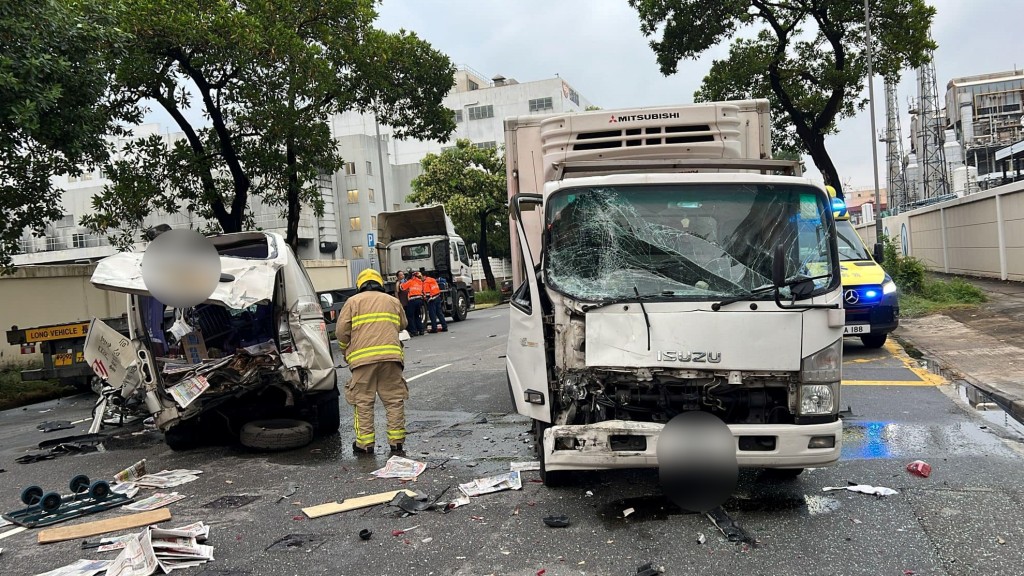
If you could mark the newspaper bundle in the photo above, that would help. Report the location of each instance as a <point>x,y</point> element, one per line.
<point>401,468</point>
<point>164,549</point>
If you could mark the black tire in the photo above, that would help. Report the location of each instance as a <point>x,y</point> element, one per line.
<point>550,478</point>
<point>873,340</point>
<point>328,413</point>
<point>51,502</point>
<point>280,434</point>
<point>460,305</point>
<point>31,495</point>
<point>182,437</point>
<point>79,484</point>
<point>99,490</point>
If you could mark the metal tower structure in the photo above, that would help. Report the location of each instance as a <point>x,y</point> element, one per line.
<point>896,177</point>
<point>931,156</point>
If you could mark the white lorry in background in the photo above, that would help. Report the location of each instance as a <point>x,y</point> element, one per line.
<point>665,265</point>
<point>425,238</point>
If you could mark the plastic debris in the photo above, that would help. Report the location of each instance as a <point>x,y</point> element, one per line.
<point>701,538</point>
<point>480,486</point>
<point>524,466</point>
<point>627,512</point>
<point>589,494</point>
<point>460,501</point>
<point>648,570</point>
<point>864,489</point>
<point>728,527</point>
<point>999,540</point>
<point>289,491</point>
<point>365,534</point>
<point>557,521</point>
<point>53,426</point>
<point>400,468</point>
<point>920,468</point>
<point>427,540</point>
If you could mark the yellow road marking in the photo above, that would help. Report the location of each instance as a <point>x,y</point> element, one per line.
<point>912,365</point>
<point>891,383</point>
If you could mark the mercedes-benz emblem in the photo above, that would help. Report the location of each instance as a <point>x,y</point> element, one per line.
<point>851,297</point>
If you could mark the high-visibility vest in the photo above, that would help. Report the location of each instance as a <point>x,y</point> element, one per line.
<point>431,288</point>
<point>415,287</point>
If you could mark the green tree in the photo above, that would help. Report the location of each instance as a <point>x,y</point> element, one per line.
<point>54,106</point>
<point>268,75</point>
<point>471,183</point>
<point>806,56</point>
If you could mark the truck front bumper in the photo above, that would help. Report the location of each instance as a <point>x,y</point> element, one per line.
<point>615,444</point>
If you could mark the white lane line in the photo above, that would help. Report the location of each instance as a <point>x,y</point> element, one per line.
<point>12,532</point>
<point>497,316</point>
<point>427,372</point>
<point>82,420</point>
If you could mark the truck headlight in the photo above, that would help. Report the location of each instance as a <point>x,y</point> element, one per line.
<point>825,365</point>
<point>817,399</point>
<point>888,287</point>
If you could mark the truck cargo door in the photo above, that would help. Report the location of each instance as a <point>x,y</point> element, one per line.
<point>526,359</point>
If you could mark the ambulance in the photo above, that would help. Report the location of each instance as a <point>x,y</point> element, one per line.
<point>870,297</point>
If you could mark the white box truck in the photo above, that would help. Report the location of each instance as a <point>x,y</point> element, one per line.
<point>664,263</point>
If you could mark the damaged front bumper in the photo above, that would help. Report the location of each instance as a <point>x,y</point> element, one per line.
<point>627,444</point>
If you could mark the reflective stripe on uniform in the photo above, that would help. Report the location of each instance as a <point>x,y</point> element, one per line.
<point>384,350</point>
<point>362,439</point>
<point>375,317</point>
<point>396,435</point>
<point>343,345</point>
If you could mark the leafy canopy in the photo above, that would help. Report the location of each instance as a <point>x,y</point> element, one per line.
<point>807,57</point>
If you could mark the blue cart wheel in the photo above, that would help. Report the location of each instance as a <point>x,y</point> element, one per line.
<point>79,484</point>
<point>31,495</point>
<point>51,502</point>
<point>99,490</point>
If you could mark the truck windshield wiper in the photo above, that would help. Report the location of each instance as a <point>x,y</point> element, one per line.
<point>762,289</point>
<point>625,300</point>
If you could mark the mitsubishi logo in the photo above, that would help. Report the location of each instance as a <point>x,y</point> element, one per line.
<point>851,297</point>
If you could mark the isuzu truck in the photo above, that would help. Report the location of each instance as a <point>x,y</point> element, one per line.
<point>664,263</point>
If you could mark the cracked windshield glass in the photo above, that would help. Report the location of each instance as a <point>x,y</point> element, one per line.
<point>703,241</point>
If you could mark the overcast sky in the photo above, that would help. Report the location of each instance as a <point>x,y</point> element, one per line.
<point>596,45</point>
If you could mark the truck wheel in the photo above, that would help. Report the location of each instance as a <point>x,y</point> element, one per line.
<point>182,437</point>
<point>873,340</point>
<point>460,307</point>
<point>280,434</point>
<point>328,413</point>
<point>783,473</point>
<point>550,478</point>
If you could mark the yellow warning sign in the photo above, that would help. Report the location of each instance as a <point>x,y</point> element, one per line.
<point>56,332</point>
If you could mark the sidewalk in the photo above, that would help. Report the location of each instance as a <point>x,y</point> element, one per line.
<point>984,345</point>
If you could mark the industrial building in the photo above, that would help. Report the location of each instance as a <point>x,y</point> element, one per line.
<point>985,112</point>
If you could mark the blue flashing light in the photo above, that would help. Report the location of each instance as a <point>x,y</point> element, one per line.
<point>871,293</point>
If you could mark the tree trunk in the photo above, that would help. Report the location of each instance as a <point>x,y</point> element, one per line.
<point>294,205</point>
<point>482,251</point>
<point>816,148</point>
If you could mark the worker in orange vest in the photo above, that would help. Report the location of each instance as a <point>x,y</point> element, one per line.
<point>432,292</point>
<point>414,287</point>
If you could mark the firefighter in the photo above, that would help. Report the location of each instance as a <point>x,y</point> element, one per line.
<point>368,336</point>
<point>432,292</point>
<point>414,286</point>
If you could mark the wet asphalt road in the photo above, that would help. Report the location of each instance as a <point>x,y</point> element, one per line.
<point>949,523</point>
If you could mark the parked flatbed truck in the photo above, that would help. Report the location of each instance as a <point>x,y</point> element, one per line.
<point>61,346</point>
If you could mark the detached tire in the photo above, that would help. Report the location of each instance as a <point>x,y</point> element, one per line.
<point>280,434</point>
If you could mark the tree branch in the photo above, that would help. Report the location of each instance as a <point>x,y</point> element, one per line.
<point>835,38</point>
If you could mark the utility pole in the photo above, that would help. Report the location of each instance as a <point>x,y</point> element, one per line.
<point>871,103</point>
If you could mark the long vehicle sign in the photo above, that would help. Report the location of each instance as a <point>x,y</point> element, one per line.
<point>61,332</point>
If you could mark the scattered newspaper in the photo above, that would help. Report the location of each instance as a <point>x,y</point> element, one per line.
<point>158,500</point>
<point>79,568</point>
<point>480,486</point>
<point>129,489</point>
<point>401,468</point>
<point>186,391</point>
<point>168,478</point>
<point>163,549</point>
<point>5,522</point>
<point>131,473</point>
<point>111,543</point>
<point>525,466</point>
<point>137,558</point>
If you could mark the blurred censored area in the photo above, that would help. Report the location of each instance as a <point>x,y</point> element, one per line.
<point>181,268</point>
<point>697,460</point>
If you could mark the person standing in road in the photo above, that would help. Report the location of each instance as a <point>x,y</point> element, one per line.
<point>367,333</point>
<point>414,286</point>
<point>432,292</point>
<point>401,293</point>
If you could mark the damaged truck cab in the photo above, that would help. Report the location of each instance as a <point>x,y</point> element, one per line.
<point>665,264</point>
<point>256,349</point>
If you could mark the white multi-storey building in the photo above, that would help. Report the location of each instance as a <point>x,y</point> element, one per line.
<point>377,175</point>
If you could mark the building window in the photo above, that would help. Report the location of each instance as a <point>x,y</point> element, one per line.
<point>538,104</point>
<point>369,168</point>
<point>458,115</point>
<point>481,112</point>
<point>353,224</point>
<point>350,168</point>
<point>483,145</point>
<point>370,196</point>
<point>357,252</point>
<point>373,222</point>
<point>78,240</point>
<point>472,85</point>
<point>353,196</point>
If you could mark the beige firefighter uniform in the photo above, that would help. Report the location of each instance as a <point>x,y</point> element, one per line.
<point>367,332</point>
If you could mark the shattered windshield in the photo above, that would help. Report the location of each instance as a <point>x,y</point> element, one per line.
<point>850,245</point>
<point>703,241</point>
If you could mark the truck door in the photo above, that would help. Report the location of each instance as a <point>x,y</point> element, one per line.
<point>526,359</point>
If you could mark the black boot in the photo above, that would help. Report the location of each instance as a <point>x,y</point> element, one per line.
<point>398,449</point>
<point>362,451</point>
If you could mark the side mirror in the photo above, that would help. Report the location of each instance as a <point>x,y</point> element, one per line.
<point>879,253</point>
<point>779,266</point>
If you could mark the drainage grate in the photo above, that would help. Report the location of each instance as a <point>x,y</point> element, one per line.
<point>452,433</point>
<point>297,543</point>
<point>235,501</point>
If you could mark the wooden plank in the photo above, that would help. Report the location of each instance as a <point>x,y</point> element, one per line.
<point>103,526</point>
<point>353,503</point>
